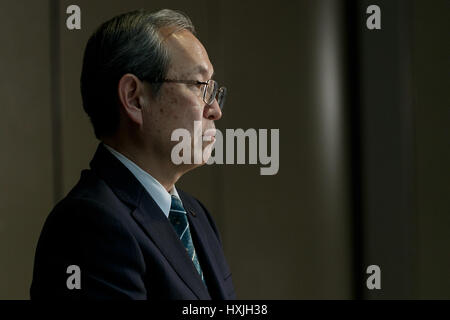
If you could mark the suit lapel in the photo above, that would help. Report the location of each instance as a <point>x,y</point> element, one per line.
<point>149,216</point>
<point>159,229</point>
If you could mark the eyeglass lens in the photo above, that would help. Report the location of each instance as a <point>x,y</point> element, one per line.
<point>213,91</point>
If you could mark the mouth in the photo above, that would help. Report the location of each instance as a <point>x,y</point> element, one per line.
<point>210,133</point>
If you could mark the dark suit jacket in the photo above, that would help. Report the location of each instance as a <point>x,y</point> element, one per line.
<point>125,246</point>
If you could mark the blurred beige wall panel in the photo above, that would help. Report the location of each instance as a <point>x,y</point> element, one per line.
<point>286,234</point>
<point>26,180</point>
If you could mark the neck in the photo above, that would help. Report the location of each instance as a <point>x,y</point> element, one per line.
<point>158,167</point>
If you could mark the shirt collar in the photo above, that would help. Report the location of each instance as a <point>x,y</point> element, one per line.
<point>154,188</point>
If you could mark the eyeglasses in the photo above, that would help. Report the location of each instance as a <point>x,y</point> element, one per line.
<point>210,92</point>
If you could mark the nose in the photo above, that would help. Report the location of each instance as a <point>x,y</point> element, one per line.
<point>212,112</point>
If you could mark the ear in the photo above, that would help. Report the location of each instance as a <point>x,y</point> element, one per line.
<point>130,90</point>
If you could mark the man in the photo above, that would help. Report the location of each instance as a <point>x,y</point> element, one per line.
<point>125,231</point>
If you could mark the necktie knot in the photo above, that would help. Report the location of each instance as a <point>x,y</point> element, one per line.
<point>177,215</point>
<point>176,206</point>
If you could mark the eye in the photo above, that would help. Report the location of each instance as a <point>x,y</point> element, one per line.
<point>197,88</point>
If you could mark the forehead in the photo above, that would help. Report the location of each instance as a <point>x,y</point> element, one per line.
<point>187,55</point>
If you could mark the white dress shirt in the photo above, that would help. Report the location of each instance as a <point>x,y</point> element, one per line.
<point>153,187</point>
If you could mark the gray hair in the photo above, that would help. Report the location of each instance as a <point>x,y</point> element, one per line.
<point>128,43</point>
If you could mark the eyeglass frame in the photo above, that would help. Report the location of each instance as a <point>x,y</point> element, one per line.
<point>223,90</point>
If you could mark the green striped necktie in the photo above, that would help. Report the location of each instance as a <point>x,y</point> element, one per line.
<point>178,218</point>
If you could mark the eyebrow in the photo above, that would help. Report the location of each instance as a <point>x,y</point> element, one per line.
<point>202,70</point>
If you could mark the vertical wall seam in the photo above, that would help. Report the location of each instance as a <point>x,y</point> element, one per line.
<point>354,11</point>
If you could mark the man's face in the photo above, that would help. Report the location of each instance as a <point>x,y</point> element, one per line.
<point>178,105</point>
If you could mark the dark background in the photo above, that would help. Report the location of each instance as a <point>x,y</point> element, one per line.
<point>364,140</point>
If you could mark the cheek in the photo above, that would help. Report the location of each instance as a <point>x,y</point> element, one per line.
<point>183,110</point>
<point>175,108</point>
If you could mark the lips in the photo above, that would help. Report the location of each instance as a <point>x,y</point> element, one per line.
<point>210,132</point>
